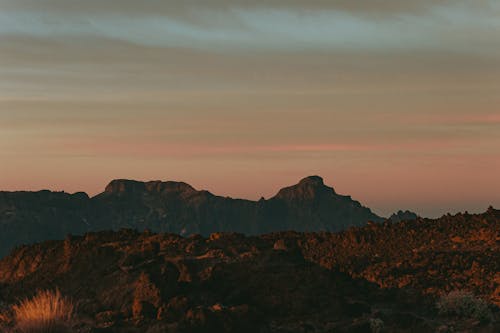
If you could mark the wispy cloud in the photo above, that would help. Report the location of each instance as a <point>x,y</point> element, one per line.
<point>456,119</point>
<point>183,8</point>
<point>102,148</point>
<point>267,24</point>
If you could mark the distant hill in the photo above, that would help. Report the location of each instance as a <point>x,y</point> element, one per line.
<point>310,205</point>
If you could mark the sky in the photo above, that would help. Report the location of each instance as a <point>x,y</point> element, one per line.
<point>396,103</point>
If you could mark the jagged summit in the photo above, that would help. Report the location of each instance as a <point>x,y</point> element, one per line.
<point>403,216</point>
<point>308,188</point>
<point>126,186</point>
<point>312,181</point>
<point>120,186</point>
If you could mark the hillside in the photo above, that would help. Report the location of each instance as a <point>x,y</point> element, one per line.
<point>393,273</point>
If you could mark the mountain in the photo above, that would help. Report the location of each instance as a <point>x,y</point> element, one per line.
<point>310,205</point>
<point>27,217</point>
<point>382,277</point>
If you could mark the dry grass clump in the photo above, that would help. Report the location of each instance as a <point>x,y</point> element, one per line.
<point>465,305</point>
<point>46,312</point>
<point>376,325</point>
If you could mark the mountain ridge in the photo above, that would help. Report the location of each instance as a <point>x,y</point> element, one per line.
<point>173,206</point>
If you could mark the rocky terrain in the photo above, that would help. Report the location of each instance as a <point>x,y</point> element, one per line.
<point>310,205</point>
<point>384,277</point>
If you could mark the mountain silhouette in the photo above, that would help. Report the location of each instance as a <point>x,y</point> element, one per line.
<point>177,207</point>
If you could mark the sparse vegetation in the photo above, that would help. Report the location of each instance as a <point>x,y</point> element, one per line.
<point>46,312</point>
<point>376,325</point>
<point>464,304</point>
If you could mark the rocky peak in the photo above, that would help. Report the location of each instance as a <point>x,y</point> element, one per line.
<point>307,189</point>
<point>315,181</point>
<point>403,216</point>
<point>124,186</point>
<point>169,186</point>
<point>492,210</point>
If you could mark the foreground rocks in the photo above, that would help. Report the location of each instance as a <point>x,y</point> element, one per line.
<point>380,278</point>
<point>460,252</point>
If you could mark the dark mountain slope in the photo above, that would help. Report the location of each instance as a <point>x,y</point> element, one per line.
<point>27,217</point>
<point>312,206</point>
<point>171,207</point>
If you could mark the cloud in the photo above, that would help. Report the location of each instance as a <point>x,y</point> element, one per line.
<point>485,119</point>
<point>105,147</point>
<point>187,7</point>
<point>275,25</point>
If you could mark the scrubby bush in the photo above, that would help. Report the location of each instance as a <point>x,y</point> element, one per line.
<point>376,325</point>
<point>464,304</point>
<point>46,312</point>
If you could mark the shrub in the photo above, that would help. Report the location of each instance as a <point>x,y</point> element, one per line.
<point>47,312</point>
<point>376,325</point>
<point>464,304</point>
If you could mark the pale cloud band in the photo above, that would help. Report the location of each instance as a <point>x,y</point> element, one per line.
<point>296,25</point>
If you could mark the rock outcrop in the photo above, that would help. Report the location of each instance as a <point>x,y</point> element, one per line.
<point>403,216</point>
